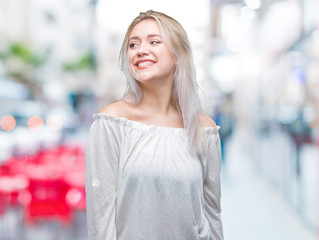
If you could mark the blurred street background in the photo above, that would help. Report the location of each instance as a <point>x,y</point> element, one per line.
<point>257,66</point>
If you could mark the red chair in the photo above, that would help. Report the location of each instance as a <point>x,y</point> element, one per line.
<point>11,186</point>
<point>48,202</point>
<point>48,195</point>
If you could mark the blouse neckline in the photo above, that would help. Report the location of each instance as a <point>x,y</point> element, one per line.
<point>144,126</point>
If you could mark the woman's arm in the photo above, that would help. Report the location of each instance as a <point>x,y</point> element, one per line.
<point>101,164</point>
<point>212,188</point>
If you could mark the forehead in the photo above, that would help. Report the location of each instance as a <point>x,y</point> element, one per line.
<point>146,27</point>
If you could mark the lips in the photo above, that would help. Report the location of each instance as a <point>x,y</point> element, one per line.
<point>142,64</point>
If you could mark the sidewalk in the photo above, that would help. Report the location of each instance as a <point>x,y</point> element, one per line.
<point>251,208</point>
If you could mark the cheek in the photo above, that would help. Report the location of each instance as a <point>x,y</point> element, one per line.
<point>129,58</point>
<point>130,61</point>
<point>171,61</point>
<point>170,57</point>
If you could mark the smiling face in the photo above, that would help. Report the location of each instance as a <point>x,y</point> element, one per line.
<point>148,56</point>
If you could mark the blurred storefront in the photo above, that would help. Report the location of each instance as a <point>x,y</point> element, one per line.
<point>47,76</point>
<point>265,54</point>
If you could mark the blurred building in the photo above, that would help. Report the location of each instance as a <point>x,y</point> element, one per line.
<point>62,32</point>
<point>265,54</point>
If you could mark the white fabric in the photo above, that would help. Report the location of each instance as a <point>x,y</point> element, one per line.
<point>142,183</point>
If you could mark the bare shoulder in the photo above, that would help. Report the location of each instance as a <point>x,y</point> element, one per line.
<point>116,109</point>
<point>206,121</point>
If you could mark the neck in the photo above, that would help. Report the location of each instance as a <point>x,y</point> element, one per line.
<point>158,97</point>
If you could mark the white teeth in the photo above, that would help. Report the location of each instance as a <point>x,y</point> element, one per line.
<point>145,64</point>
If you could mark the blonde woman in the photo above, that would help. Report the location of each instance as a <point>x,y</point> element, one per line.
<point>153,159</point>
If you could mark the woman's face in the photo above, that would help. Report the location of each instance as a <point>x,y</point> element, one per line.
<point>148,56</point>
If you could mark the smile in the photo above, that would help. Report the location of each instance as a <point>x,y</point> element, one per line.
<point>144,64</point>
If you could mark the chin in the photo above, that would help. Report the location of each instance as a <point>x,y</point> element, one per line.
<point>143,78</point>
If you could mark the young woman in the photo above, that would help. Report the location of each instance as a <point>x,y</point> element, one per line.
<point>153,160</point>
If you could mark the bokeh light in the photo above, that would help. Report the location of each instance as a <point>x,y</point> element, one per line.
<point>35,123</point>
<point>73,197</point>
<point>8,123</point>
<point>54,122</point>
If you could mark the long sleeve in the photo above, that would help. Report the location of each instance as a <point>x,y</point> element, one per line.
<point>212,188</point>
<point>101,164</point>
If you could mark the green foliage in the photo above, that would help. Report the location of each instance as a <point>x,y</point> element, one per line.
<point>2,56</point>
<point>85,62</point>
<point>23,52</point>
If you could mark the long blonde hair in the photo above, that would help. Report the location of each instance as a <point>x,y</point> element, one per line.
<point>185,89</point>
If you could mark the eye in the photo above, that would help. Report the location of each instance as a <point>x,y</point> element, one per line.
<point>132,45</point>
<point>155,42</point>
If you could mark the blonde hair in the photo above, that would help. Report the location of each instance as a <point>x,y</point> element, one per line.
<point>185,89</point>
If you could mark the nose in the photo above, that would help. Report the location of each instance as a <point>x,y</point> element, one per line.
<point>143,49</point>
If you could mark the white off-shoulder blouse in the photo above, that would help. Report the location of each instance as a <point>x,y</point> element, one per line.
<point>143,183</point>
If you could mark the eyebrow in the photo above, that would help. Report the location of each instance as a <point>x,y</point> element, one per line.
<point>148,36</point>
